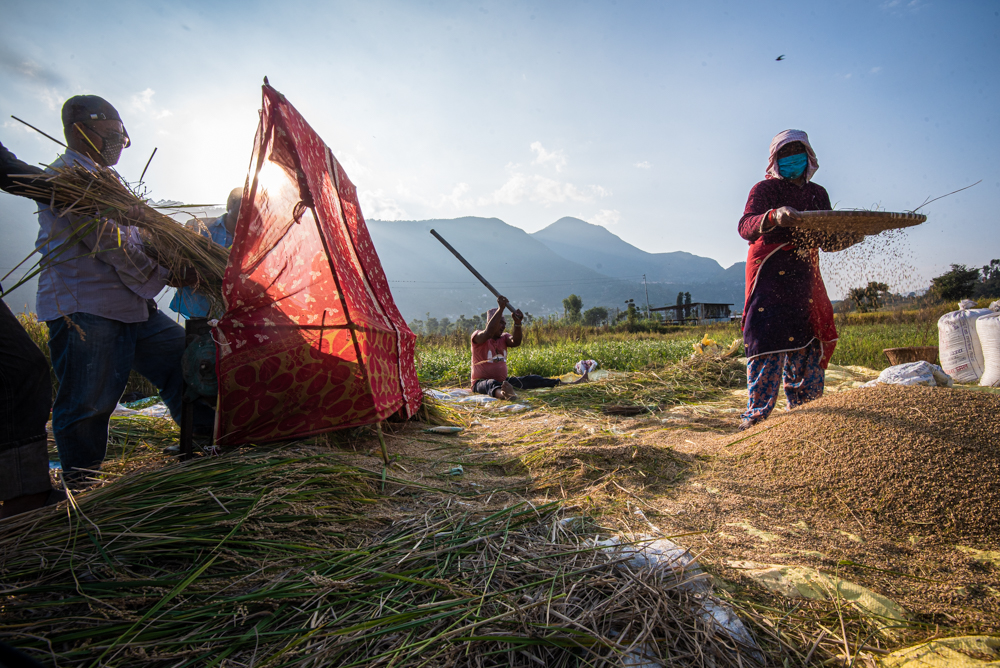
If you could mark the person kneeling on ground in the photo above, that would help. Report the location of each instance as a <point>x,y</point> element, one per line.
<point>489,357</point>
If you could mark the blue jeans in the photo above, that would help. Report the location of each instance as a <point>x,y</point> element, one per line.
<point>92,359</point>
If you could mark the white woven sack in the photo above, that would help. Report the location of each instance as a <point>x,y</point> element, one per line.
<point>988,329</point>
<point>958,343</point>
<point>913,373</point>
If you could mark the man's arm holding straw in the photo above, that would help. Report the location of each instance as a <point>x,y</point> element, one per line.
<point>120,247</point>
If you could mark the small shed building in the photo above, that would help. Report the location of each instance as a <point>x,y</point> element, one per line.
<point>697,313</point>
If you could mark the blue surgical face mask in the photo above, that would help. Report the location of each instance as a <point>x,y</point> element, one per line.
<point>792,166</point>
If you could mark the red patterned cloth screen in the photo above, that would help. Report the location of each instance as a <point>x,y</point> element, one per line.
<point>311,339</point>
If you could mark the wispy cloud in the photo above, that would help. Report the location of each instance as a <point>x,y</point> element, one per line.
<point>645,164</point>
<point>607,217</point>
<point>353,166</point>
<point>455,199</point>
<point>143,103</point>
<point>900,6</point>
<point>27,69</point>
<point>379,206</point>
<point>52,98</point>
<point>875,70</point>
<point>543,157</point>
<point>541,190</point>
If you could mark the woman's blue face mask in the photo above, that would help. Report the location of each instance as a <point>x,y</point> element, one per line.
<point>792,166</point>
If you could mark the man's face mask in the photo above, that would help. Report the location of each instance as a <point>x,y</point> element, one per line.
<point>792,166</point>
<point>112,144</point>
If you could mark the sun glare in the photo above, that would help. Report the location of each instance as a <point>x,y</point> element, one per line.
<point>272,177</point>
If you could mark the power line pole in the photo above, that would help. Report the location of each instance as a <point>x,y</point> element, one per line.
<point>647,295</point>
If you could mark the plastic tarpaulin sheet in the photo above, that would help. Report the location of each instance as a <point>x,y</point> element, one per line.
<point>311,339</point>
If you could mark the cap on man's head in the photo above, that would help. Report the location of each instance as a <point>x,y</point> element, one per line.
<point>88,108</point>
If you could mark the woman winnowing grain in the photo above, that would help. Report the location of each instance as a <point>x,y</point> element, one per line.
<point>788,327</point>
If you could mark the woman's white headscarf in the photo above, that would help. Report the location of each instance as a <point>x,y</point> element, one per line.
<point>787,137</point>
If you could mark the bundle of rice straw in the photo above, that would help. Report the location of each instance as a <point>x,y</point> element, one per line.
<point>102,193</point>
<point>291,559</point>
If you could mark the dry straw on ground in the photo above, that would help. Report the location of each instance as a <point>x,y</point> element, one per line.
<point>691,380</point>
<point>280,559</point>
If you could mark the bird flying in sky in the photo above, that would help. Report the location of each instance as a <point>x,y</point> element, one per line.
<point>781,57</point>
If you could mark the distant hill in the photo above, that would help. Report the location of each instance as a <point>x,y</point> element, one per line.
<point>734,274</point>
<point>534,275</point>
<point>595,247</point>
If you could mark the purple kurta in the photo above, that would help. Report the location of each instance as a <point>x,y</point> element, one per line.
<point>786,303</point>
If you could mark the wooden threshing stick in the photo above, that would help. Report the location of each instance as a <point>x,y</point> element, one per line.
<point>470,267</point>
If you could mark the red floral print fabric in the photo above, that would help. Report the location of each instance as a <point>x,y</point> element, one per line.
<point>311,339</point>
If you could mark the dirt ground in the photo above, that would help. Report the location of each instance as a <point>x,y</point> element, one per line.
<point>669,473</point>
<point>666,474</point>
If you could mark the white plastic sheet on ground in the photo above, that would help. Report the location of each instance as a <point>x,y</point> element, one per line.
<point>462,396</point>
<point>805,582</point>
<point>669,559</point>
<point>913,373</point>
<point>959,652</point>
<point>158,410</point>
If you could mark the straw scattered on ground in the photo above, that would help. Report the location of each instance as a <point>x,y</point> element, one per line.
<point>288,559</point>
<point>321,517</point>
<point>654,388</point>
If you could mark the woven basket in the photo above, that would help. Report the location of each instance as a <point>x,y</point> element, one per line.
<point>912,354</point>
<point>865,222</point>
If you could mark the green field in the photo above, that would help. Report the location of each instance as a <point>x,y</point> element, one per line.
<point>445,360</point>
<point>552,351</point>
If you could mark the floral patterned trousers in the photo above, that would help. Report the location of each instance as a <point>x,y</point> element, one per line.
<point>801,371</point>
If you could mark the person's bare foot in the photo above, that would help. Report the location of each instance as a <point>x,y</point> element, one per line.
<point>505,391</point>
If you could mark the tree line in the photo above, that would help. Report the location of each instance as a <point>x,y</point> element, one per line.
<point>960,282</point>
<point>573,314</point>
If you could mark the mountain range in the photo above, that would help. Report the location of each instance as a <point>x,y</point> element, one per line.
<point>536,271</point>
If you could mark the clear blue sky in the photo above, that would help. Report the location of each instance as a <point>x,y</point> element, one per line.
<point>652,118</point>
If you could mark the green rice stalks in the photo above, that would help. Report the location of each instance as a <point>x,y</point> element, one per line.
<point>267,560</point>
<point>437,412</point>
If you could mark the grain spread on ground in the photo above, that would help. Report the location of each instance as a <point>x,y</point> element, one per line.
<point>889,456</point>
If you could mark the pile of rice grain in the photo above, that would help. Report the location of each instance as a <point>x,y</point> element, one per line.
<point>897,458</point>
